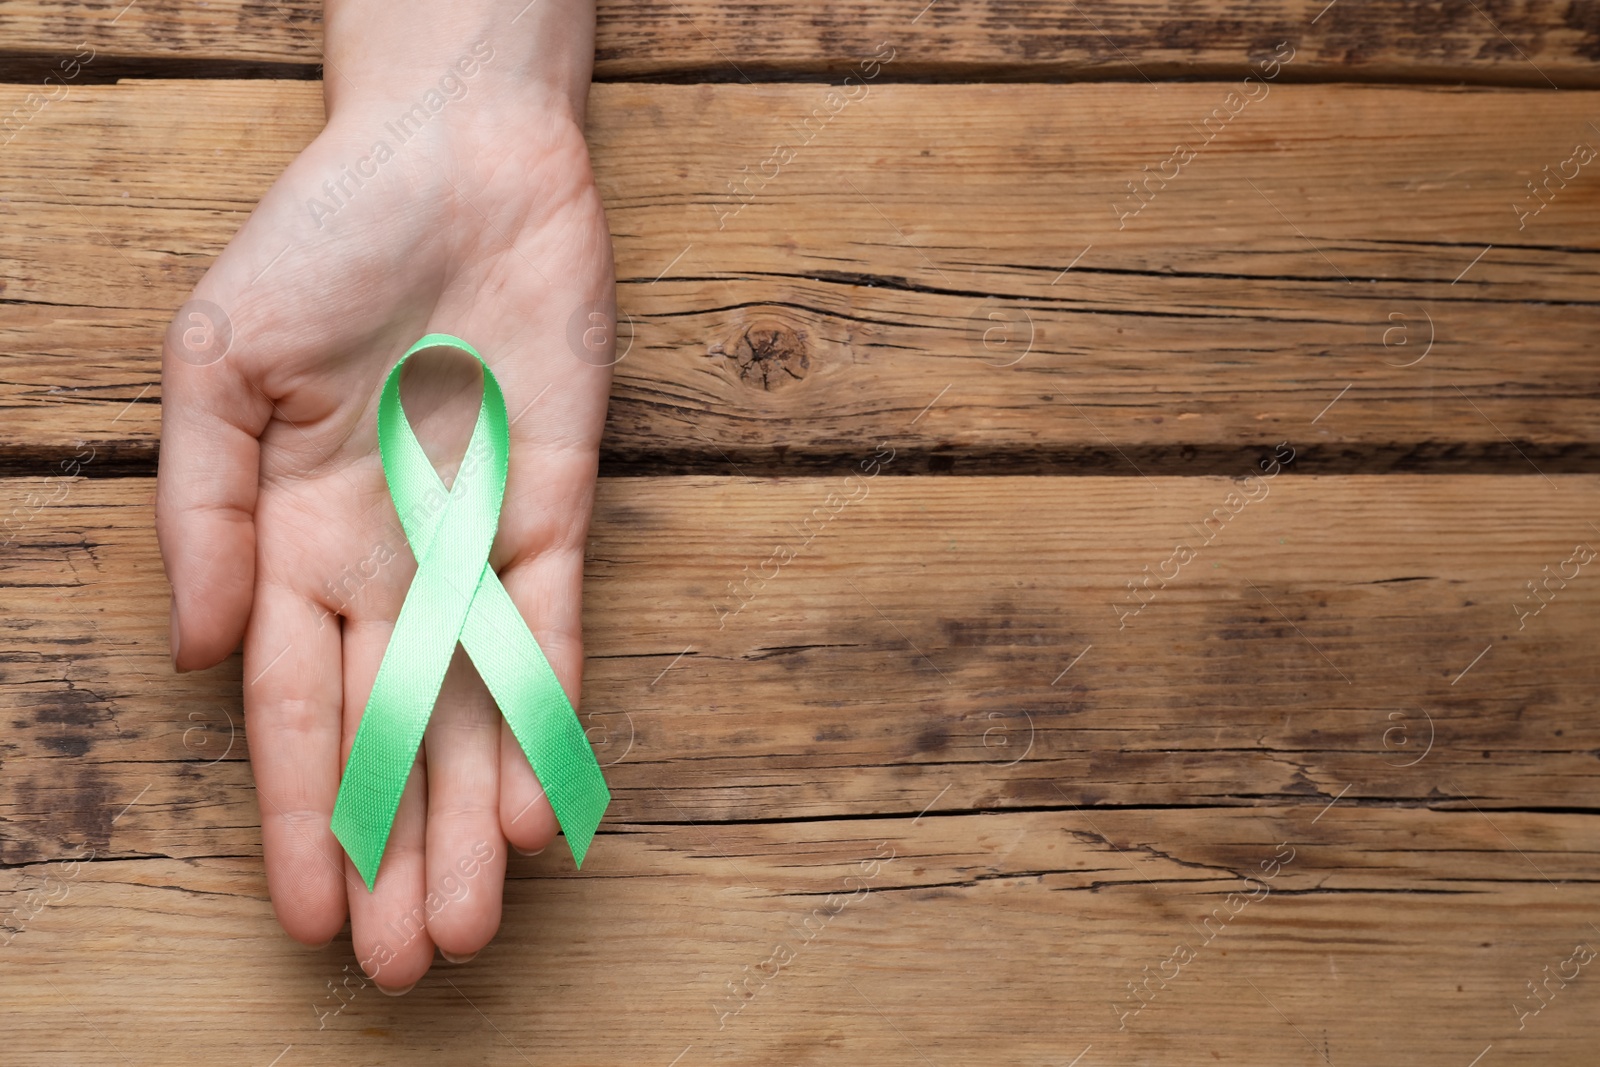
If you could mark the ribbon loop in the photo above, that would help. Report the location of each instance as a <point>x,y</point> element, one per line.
<point>457,597</point>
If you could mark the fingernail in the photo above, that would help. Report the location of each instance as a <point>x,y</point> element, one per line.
<point>174,638</point>
<point>524,852</point>
<point>396,992</point>
<point>453,958</point>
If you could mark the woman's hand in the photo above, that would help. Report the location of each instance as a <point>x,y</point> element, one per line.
<point>450,192</point>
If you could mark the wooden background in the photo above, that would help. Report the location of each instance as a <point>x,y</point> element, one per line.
<point>1328,797</point>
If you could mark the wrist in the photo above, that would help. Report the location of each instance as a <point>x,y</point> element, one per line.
<point>467,55</point>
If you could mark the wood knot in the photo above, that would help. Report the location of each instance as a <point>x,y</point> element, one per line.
<point>767,354</point>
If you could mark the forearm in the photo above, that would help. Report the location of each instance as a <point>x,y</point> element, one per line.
<point>517,53</point>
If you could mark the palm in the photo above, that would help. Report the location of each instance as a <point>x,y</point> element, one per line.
<point>501,240</point>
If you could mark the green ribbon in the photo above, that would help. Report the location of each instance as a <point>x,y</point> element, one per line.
<point>456,596</point>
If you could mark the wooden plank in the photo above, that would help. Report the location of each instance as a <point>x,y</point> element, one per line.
<point>1379,937</point>
<point>1519,43</point>
<point>975,639</point>
<point>919,249</point>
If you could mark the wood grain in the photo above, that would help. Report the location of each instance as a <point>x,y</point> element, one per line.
<point>1382,936</point>
<point>918,249</point>
<point>966,754</point>
<point>1517,43</point>
<point>969,644</point>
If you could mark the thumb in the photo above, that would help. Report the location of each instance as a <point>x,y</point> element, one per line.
<point>211,417</point>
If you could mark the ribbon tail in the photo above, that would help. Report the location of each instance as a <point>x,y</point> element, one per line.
<point>396,716</point>
<point>530,696</point>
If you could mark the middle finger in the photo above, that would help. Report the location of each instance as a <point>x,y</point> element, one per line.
<point>388,926</point>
